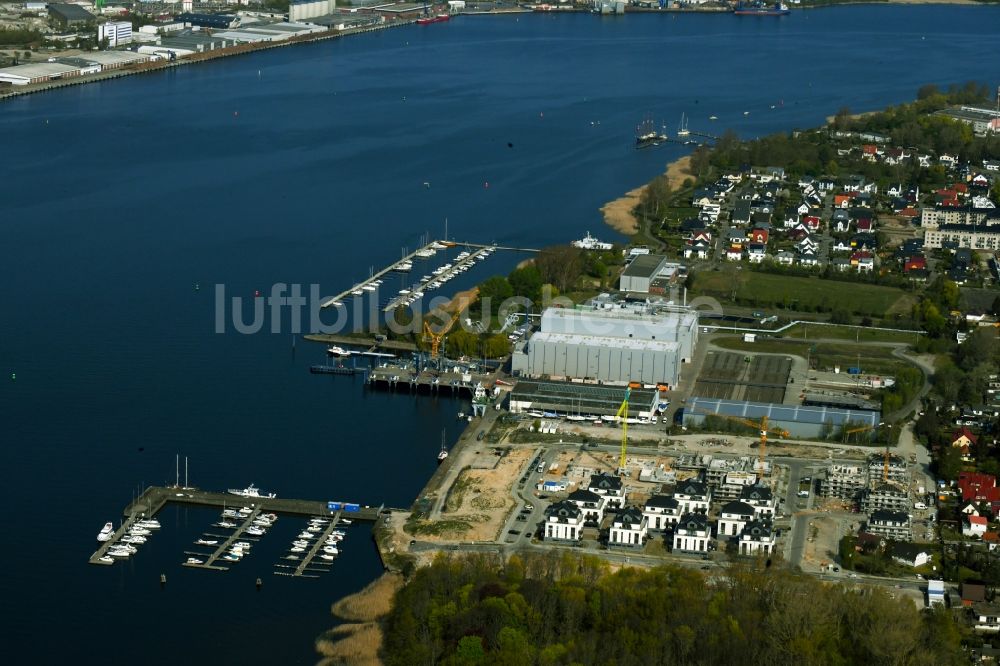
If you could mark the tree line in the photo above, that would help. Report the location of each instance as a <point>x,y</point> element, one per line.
<point>562,608</point>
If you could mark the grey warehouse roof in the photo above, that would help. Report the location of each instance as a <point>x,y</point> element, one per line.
<point>645,265</point>
<point>791,413</point>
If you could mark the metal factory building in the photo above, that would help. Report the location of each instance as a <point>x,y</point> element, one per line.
<point>612,343</point>
<point>799,421</point>
<point>638,276</point>
<point>572,398</point>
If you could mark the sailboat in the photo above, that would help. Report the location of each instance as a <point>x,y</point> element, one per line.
<point>444,452</point>
<point>682,130</point>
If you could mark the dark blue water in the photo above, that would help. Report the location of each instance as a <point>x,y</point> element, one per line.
<point>307,165</point>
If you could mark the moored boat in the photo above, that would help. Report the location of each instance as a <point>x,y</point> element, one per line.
<point>760,8</point>
<point>427,20</point>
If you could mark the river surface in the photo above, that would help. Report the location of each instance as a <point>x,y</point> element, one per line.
<point>308,165</point>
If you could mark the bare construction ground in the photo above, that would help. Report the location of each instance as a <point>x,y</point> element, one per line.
<point>477,502</point>
<point>728,376</point>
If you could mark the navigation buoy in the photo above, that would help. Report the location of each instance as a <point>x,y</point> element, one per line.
<point>259,583</point>
<point>13,376</point>
<point>163,579</point>
<point>236,114</point>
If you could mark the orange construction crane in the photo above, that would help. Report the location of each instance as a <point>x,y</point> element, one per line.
<point>760,425</point>
<point>459,304</point>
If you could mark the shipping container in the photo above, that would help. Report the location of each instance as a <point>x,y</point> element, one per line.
<point>352,507</point>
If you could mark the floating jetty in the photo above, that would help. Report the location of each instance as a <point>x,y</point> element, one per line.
<point>396,378</point>
<point>155,498</point>
<point>405,265</point>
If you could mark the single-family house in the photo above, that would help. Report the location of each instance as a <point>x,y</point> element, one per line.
<point>841,264</point>
<point>811,222</point>
<point>979,180</point>
<point>733,517</point>
<point>661,511</point>
<point>740,214</point>
<point>803,208</point>
<point>987,618</point>
<point>692,496</point>
<point>991,165</point>
<point>785,258</point>
<point>610,487</point>
<point>628,528</point>
<point>840,246</point>
<point>842,200</point>
<point>972,592</point>
<point>759,235</point>
<point>915,262</point>
<point>973,526</point>
<point>807,244</point>
<point>896,190</point>
<point>864,262</point>
<point>826,184</point>
<point>591,504</point>
<point>911,554</point>
<point>563,522</point>
<point>807,258</point>
<point>698,249</point>
<point>947,160</point>
<point>734,253</point>
<point>757,537</point>
<point>756,252</point>
<point>841,225</point>
<point>692,534</point>
<point>736,236</point>
<point>865,225</point>
<point>963,437</point>
<point>761,499</point>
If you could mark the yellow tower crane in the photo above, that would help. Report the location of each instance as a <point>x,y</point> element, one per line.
<point>622,415</point>
<point>885,463</point>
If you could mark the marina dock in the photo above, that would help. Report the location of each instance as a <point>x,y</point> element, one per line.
<point>397,378</point>
<point>477,252</point>
<point>155,498</point>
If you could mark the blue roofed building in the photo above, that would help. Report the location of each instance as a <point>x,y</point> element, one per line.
<point>798,420</point>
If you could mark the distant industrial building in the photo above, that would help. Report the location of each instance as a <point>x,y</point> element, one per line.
<point>572,398</point>
<point>983,120</point>
<point>611,345</point>
<point>213,21</point>
<point>799,421</point>
<point>302,10</point>
<point>648,274</point>
<point>70,67</point>
<point>116,32</point>
<point>69,15</point>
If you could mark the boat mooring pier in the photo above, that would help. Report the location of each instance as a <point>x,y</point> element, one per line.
<point>155,498</point>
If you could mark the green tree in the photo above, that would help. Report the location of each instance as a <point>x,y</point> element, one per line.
<point>560,265</point>
<point>493,292</point>
<point>527,282</point>
<point>949,463</point>
<point>470,650</point>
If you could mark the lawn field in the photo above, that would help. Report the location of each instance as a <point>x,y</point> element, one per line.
<point>823,355</point>
<point>768,290</point>
<point>848,333</point>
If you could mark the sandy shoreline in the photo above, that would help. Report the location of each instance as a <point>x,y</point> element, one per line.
<point>618,213</point>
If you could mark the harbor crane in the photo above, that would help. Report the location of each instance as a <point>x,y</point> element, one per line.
<point>460,304</point>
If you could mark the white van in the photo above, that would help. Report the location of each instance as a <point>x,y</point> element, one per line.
<point>919,505</point>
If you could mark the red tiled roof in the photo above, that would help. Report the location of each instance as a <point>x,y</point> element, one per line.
<point>964,431</point>
<point>977,520</point>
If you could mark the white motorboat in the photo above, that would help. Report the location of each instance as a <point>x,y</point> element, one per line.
<point>330,550</point>
<point>229,557</point>
<point>344,521</point>
<point>207,542</point>
<point>242,544</point>
<point>314,528</point>
<point>224,523</point>
<point>148,523</point>
<point>106,559</point>
<point>307,535</point>
<point>195,560</point>
<point>327,556</point>
<point>106,532</point>
<point>138,531</point>
<point>133,539</point>
<point>119,553</point>
<point>297,549</point>
<point>230,513</point>
<point>250,491</point>
<point>255,531</point>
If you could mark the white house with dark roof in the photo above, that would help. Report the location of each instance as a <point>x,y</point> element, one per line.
<point>757,537</point>
<point>911,554</point>
<point>761,499</point>
<point>733,517</point>
<point>628,528</point>
<point>661,511</point>
<point>611,487</point>
<point>591,504</point>
<point>692,496</point>
<point>563,522</point>
<point>692,534</point>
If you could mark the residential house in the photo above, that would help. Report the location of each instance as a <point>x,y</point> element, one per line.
<point>870,152</point>
<point>692,534</point>
<point>733,517</point>
<point>757,537</point>
<point>865,225</point>
<point>661,511</point>
<point>992,540</point>
<point>692,496</point>
<point>740,214</point>
<point>628,528</point>
<point>759,236</point>
<point>987,618</point>
<point>807,244</point>
<point>963,438</point>
<point>915,262</point>
<point>812,223</point>
<point>842,200</point>
<point>911,554</point>
<point>841,225</point>
<point>890,524</point>
<point>896,190</point>
<point>610,487</point>
<point>734,253</point>
<point>973,526</point>
<point>863,261</point>
<point>935,592</point>
<point>978,487</point>
<point>972,592</point>
<point>808,258</point>
<point>761,499</point>
<point>563,522</point>
<point>869,543</point>
<point>969,509</point>
<point>699,249</point>
<point>841,264</point>
<point>756,252</point>
<point>947,160</point>
<point>863,242</point>
<point>826,185</point>
<point>785,258</point>
<point>591,504</point>
<point>736,237</point>
<point>791,219</point>
<point>803,208</point>
<point>840,246</point>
